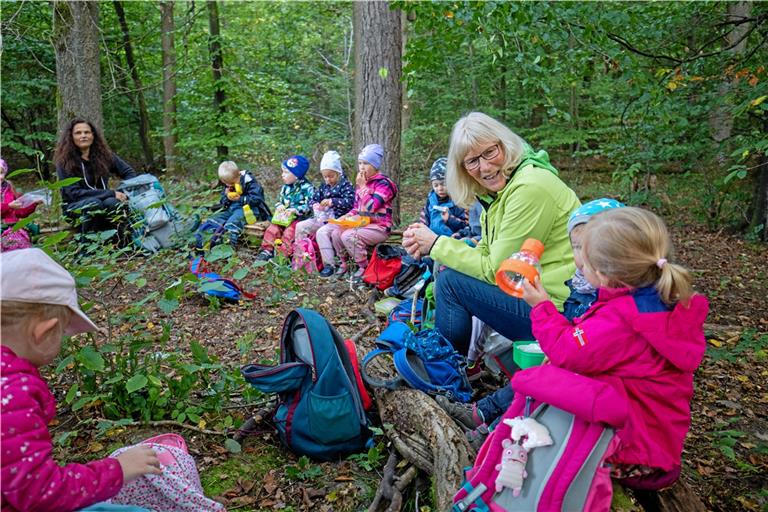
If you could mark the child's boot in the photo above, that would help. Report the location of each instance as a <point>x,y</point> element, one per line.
<point>265,255</point>
<point>465,414</point>
<point>328,271</point>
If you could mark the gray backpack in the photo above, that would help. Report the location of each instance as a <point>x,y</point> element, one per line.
<point>155,223</point>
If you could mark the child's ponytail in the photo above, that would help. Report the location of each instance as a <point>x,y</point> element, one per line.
<point>630,247</point>
<point>674,283</point>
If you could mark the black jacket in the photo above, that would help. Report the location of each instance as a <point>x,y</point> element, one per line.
<point>89,186</point>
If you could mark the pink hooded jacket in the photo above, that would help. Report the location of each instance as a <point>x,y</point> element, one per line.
<point>12,215</point>
<point>631,340</point>
<point>30,479</point>
<point>376,197</point>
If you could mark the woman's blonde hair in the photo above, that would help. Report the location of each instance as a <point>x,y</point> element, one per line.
<point>631,247</point>
<point>228,171</point>
<point>21,317</point>
<point>473,130</point>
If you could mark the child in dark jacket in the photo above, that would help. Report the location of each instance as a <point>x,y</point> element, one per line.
<point>293,205</point>
<point>331,200</point>
<point>440,213</point>
<point>240,189</point>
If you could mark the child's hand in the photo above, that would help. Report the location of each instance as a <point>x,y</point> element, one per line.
<point>327,202</point>
<point>15,204</point>
<point>137,461</point>
<point>445,215</point>
<point>232,195</point>
<point>535,293</point>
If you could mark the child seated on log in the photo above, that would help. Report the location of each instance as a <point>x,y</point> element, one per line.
<point>644,335</point>
<point>477,416</point>
<point>332,199</point>
<point>239,189</point>
<point>292,206</point>
<point>39,306</point>
<point>440,213</point>
<point>373,201</point>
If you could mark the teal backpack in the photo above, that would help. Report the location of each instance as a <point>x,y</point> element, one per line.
<point>320,408</point>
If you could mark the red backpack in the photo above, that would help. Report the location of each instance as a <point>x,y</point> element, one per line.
<point>384,265</point>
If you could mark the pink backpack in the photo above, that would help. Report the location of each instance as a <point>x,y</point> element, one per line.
<point>306,255</point>
<point>178,489</point>
<point>11,240</point>
<point>581,415</point>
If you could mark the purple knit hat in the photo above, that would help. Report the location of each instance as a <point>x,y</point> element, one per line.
<point>373,154</point>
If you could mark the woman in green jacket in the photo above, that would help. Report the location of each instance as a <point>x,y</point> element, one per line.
<point>522,197</point>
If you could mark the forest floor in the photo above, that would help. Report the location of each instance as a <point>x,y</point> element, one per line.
<point>726,453</point>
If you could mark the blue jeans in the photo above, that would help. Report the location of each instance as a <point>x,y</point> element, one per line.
<point>495,404</point>
<point>230,220</point>
<point>459,297</point>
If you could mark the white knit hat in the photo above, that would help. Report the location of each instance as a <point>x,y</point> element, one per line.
<point>331,161</point>
<point>30,275</point>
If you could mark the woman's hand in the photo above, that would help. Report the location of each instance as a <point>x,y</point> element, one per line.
<point>121,197</point>
<point>418,240</point>
<point>535,293</point>
<point>137,461</point>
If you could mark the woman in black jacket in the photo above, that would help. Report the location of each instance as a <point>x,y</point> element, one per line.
<point>83,153</point>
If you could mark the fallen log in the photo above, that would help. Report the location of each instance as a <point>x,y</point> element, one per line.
<point>678,498</point>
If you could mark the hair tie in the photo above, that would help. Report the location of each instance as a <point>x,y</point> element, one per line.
<point>661,262</point>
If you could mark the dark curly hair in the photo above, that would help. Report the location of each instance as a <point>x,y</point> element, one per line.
<point>67,155</point>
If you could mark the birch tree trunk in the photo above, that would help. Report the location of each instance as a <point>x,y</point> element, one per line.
<point>76,42</point>
<point>169,85</point>
<point>378,92</point>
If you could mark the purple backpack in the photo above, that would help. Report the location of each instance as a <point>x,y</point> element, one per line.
<point>581,415</point>
<point>178,489</point>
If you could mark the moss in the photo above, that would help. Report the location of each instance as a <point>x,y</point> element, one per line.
<point>219,478</point>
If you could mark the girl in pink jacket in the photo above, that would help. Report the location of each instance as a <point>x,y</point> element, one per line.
<point>11,208</point>
<point>644,335</point>
<point>38,306</point>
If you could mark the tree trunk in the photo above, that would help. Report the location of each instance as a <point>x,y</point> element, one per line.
<point>217,61</point>
<point>428,438</point>
<point>720,119</point>
<point>169,85</point>
<point>759,218</point>
<point>378,96</point>
<point>142,105</point>
<point>406,114</point>
<point>76,41</point>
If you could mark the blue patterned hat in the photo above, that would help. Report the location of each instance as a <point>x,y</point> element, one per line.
<point>438,169</point>
<point>296,165</point>
<point>582,214</point>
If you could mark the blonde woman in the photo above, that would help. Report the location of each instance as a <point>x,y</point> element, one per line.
<point>522,197</point>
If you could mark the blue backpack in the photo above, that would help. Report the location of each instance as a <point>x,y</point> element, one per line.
<point>320,411</point>
<point>424,360</point>
<point>215,285</point>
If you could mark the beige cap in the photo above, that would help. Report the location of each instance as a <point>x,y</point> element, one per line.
<point>30,275</point>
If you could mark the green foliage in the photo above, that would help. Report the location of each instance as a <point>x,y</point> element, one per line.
<point>372,460</point>
<point>303,470</point>
<point>749,343</point>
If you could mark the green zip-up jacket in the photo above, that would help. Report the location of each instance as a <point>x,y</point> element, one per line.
<point>535,203</point>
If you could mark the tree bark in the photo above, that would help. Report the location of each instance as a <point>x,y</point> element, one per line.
<point>721,120</point>
<point>76,42</point>
<point>217,62</point>
<point>141,104</point>
<point>169,85</point>
<point>428,438</point>
<point>378,92</point>
<point>759,218</point>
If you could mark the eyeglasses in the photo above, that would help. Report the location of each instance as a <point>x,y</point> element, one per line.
<point>472,164</point>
